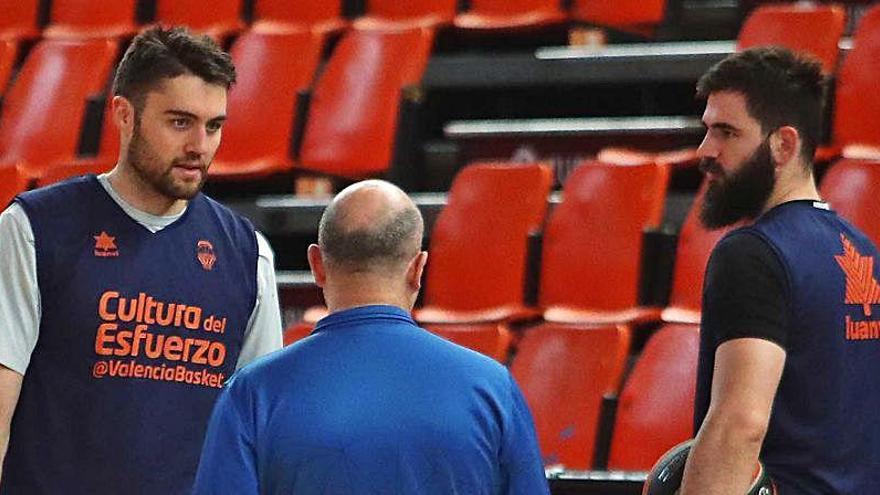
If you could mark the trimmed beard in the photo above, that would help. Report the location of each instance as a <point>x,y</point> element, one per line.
<point>742,194</point>
<point>161,180</point>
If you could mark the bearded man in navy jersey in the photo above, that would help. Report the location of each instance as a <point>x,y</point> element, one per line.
<point>783,375</point>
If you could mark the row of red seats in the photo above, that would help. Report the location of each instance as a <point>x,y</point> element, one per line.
<point>588,296</point>
<point>274,69</point>
<point>92,18</point>
<point>479,244</point>
<point>816,30</point>
<point>592,247</point>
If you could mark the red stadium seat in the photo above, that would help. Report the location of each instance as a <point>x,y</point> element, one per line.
<point>801,26</point>
<point>323,16</point>
<point>218,19</point>
<point>56,79</point>
<point>66,170</point>
<point>640,16</point>
<point>353,119</point>
<point>76,19</point>
<point>804,27</point>
<point>511,14</point>
<point>11,183</point>
<point>104,161</point>
<point>852,188</point>
<point>856,96</point>
<point>679,158</point>
<point>593,243</point>
<point>491,339</point>
<point>695,244</point>
<point>564,371</point>
<point>656,408</point>
<point>272,68</point>
<point>296,332</point>
<point>19,19</point>
<point>477,265</point>
<point>8,54</point>
<point>412,13</point>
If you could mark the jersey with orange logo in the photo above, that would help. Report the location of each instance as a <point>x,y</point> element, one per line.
<point>821,437</point>
<point>139,331</point>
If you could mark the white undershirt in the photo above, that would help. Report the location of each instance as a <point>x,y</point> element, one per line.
<point>20,309</point>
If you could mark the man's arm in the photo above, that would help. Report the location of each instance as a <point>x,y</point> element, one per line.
<point>10,387</point>
<point>724,455</point>
<point>744,334</point>
<point>19,312</point>
<point>263,334</point>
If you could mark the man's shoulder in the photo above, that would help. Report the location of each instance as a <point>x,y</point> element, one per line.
<point>796,220</point>
<point>464,353</point>
<point>215,205</point>
<point>61,206</point>
<point>63,191</point>
<point>792,226</point>
<point>220,210</point>
<point>265,365</point>
<point>742,241</point>
<point>744,251</point>
<point>417,345</point>
<point>468,362</point>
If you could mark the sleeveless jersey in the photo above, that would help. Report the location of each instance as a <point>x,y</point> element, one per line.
<point>139,331</point>
<point>822,437</point>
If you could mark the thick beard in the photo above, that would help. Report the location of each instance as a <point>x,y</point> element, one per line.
<point>161,180</point>
<point>740,195</point>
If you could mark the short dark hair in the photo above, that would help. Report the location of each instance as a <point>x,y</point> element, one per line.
<point>163,53</point>
<point>386,243</point>
<point>781,88</point>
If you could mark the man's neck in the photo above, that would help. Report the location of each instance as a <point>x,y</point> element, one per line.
<point>353,292</point>
<point>342,306</point>
<point>799,187</point>
<point>141,195</point>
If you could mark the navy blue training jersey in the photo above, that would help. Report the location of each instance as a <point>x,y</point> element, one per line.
<point>822,437</point>
<point>138,333</point>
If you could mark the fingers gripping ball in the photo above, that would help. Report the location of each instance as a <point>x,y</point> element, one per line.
<point>666,475</point>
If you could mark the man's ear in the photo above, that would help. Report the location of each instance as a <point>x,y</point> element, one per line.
<point>416,269</point>
<point>316,263</point>
<point>123,114</point>
<point>785,145</point>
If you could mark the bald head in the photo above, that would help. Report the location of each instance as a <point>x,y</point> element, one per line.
<point>370,226</point>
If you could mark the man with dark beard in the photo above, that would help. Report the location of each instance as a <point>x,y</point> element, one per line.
<point>127,299</point>
<point>788,363</point>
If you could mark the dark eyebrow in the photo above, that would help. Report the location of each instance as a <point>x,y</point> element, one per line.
<point>190,115</point>
<point>722,126</point>
<point>181,113</point>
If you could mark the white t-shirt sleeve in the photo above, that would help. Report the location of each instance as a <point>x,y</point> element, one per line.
<point>19,293</point>
<point>263,334</point>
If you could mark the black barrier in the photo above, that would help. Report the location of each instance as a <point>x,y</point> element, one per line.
<point>595,482</point>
